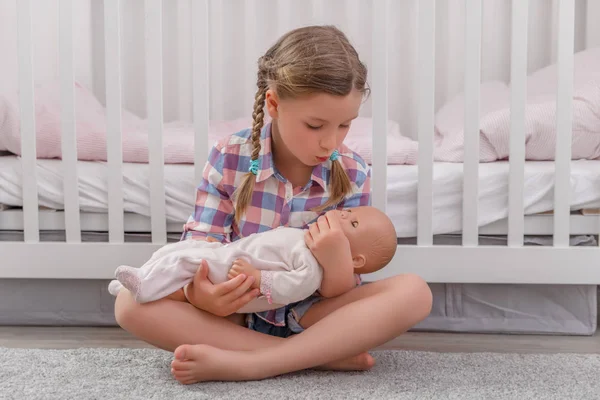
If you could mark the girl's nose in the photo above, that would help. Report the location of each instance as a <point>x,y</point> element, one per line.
<point>328,142</point>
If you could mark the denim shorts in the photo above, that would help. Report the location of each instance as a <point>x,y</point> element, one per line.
<point>293,314</point>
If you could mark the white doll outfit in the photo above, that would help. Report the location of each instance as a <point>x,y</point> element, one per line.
<point>289,271</point>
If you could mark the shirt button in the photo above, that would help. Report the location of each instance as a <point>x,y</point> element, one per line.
<point>288,197</point>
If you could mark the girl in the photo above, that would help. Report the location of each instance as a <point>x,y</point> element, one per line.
<point>286,172</point>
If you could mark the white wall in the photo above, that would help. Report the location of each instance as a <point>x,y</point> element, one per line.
<point>234,52</point>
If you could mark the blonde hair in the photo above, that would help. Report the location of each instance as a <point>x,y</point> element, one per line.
<point>313,59</point>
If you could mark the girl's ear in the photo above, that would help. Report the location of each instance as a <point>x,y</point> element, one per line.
<point>359,261</point>
<point>272,102</point>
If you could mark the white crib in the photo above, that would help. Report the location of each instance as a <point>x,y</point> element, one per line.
<point>207,83</point>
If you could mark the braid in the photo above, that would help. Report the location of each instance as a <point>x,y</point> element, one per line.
<point>244,197</point>
<point>258,117</point>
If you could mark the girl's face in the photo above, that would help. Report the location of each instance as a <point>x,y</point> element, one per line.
<point>313,126</point>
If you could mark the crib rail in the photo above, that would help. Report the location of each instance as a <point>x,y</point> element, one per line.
<point>504,262</point>
<point>114,143</point>
<point>380,102</point>
<point>69,141</point>
<point>472,98</point>
<point>154,85</point>
<point>426,121</point>
<point>28,143</point>
<point>518,73</point>
<point>564,123</point>
<point>200,73</point>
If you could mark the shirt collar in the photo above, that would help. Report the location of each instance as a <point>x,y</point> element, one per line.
<point>267,167</point>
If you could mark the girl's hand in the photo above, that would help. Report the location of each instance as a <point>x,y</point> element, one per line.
<point>326,240</point>
<point>222,299</point>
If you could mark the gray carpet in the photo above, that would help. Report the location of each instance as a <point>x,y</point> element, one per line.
<point>144,374</point>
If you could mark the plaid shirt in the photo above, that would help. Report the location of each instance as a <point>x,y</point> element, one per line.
<point>275,202</point>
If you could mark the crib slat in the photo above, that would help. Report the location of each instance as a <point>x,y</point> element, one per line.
<point>426,120</point>
<point>112,51</point>
<point>154,90</point>
<point>564,122</point>
<point>380,103</point>
<point>200,33</point>
<point>516,214</point>
<point>28,135</point>
<point>471,157</point>
<point>68,133</point>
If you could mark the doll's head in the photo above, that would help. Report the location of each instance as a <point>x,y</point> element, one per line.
<point>371,234</point>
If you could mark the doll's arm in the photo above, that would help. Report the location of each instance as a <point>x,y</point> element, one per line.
<point>299,281</point>
<point>285,287</point>
<point>300,278</point>
<point>338,279</point>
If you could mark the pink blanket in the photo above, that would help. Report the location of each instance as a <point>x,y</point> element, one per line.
<point>540,116</point>
<point>178,137</point>
<point>540,126</point>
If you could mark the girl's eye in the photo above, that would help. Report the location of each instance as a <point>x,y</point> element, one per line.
<point>313,127</point>
<point>354,224</point>
<point>345,126</point>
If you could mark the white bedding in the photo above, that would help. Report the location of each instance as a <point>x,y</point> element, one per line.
<point>402,190</point>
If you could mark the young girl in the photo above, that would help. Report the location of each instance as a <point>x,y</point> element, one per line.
<point>286,172</point>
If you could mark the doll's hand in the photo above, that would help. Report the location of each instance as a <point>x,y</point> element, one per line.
<point>327,241</point>
<point>240,267</point>
<point>331,248</point>
<point>222,299</point>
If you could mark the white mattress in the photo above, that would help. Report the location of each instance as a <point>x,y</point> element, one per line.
<point>402,190</point>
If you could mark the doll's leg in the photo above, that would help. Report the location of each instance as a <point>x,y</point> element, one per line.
<point>352,323</point>
<point>158,279</point>
<point>130,278</point>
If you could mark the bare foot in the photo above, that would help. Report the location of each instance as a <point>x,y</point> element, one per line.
<point>361,362</point>
<point>243,267</point>
<point>201,363</point>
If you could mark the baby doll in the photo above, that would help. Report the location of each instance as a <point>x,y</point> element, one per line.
<point>284,268</point>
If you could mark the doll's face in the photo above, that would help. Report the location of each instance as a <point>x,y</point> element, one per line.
<point>370,232</point>
<point>355,224</point>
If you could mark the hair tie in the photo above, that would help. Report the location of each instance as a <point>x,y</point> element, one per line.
<point>253,167</point>
<point>334,156</point>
